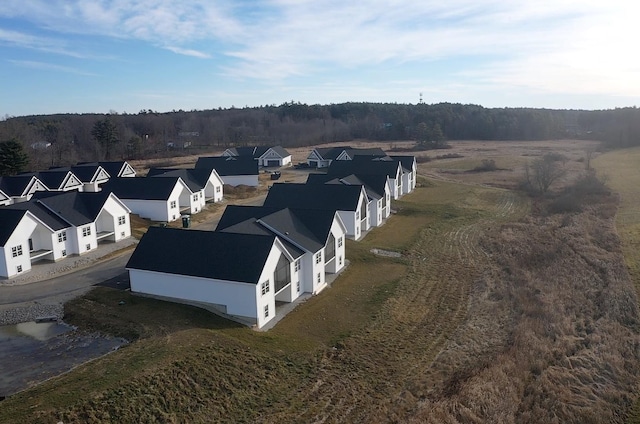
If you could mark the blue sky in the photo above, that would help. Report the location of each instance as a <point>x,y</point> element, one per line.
<point>77,56</point>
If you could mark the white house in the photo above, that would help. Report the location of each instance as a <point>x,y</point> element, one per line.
<point>267,156</point>
<point>90,176</point>
<point>60,224</point>
<point>20,188</point>
<point>349,201</point>
<point>158,199</point>
<point>237,274</point>
<point>206,182</point>
<point>410,172</point>
<point>363,165</point>
<point>16,228</point>
<point>318,236</point>
<point>58,180</point>
<point>322,157</point>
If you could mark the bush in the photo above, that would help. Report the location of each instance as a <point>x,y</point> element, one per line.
<point>487,165</point>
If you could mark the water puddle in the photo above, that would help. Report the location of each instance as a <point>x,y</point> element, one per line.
<point>33,352</point>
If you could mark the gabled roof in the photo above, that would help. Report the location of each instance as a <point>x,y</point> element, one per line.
<point>113,168</point>
<point>43,213</point>
<point>330,152</point>
<point>86,174</point>
<point>248,151</point>
<point>142,188</point>
<point>319,178</point>
<point>305,228</point>
<point>374,184</point>
<point>206,254</point>
<point>16,185</point>
<point>373,152</point>
<point>56,179</point>
<point>195,178</point>
<point>9,220</point>
<point>314,196</point>
<point>364,165</point>
<point>407,162</point>
<point>281,151</point>
<point>229,165</point>
<point>77,208</point>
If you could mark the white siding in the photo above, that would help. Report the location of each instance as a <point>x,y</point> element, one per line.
<point>9,264</point>
<point>236,180</point>
<point>155,210</point>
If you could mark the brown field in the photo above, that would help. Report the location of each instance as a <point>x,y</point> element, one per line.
<point>498,311</point>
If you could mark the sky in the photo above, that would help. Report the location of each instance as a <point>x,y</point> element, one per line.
<point>101,56</point>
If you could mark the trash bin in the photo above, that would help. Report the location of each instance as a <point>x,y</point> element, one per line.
<point>186,221</point>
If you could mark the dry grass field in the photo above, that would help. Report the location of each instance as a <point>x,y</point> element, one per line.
<point>498,311</point>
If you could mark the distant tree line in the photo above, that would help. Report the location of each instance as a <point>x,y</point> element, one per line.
<point>65,139</point>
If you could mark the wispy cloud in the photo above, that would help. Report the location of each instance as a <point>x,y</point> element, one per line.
<point>188,52</point>
<point>49,67</point>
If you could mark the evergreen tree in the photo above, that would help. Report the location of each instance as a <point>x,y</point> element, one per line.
<point>13,159</point>
<point>106,134</point>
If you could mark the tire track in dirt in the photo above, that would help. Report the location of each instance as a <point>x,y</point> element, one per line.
<point>390,359</point>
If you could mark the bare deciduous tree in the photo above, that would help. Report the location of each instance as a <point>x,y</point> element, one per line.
<point>541,173</point>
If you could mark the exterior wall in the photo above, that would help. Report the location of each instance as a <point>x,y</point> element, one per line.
<point>43,239</point>
<point>82,244</point>
<point>395,186</point>
<point>196,201</point>
<point>65,246</point>
<point>4,199</point>
<point>239,298</point>
<point>338,262</point>
<point>349,220</point>
<point>291,293</point>
<point>108,220</point>
<point>269,298</point>
<point>155,210</point>
<point>90,187</point>
<point>236,180</point>
<point>214,190</point>
<point>375,212</point>
<point>8,264</point>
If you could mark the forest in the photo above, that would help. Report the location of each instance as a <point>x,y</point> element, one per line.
<point>64,139</point>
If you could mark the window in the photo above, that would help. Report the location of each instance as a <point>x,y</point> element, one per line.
<point>318,278</point>
<point>88,247</point>
<point>282,276</point>
<point>298,287</point>
<point>318,257</point>
<point>19,268</point>
<point>265,287</point>
<point>62,236</point>
<point>172,205</point>
<point>340,260</point>
<point>296,265</point>
<point>357,215</point>
<point>86,231</point>
<point>339,241</point>
<point>64,253</point>
<point>266,311</point>
<point>122,234</point>
<point>122,220</point>
<point>195,197</point>
<point>16,251</point>
<point>218,189</point>
<point>201,195</point>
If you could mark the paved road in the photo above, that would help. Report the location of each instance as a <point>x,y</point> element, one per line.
<point>66,284</point>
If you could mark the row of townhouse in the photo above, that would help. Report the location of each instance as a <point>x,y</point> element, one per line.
<point>54,225</point>
<point>260,255</point>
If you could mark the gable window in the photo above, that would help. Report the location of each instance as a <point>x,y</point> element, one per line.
<point>282,275</point>
<point>86,231</point>
<point>339,241</point>
<point>265,287</point>
<point>195,197</point>
<point>172,205</point>
<point>218,188</point>
<point>266,311</point>
<point>330,248</point>
<point>62,236</point>
<point>318,257</point>
<point>122,220</point>
<point>16,251</point>
<point>296,265</point>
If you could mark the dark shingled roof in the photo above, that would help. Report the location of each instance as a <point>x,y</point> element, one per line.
<point>206,254</point>
<point>306,228</point>
<point>319,178</point>
<point>9,220</point>
<point>113,168</point>
<point>373,184</point>
<point>78,208</point>
<point>15,185</point>
<point>227,166</point>
<point>84,173</point>
<point>195,178</point>
<point>281,151</point>
<point>53,179</point>
<point>331,152</point>
<point>43,213</point>
<point>141,187</point>
<point>314,196</point>
<point>407,162</point>
<point>363,165</point>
